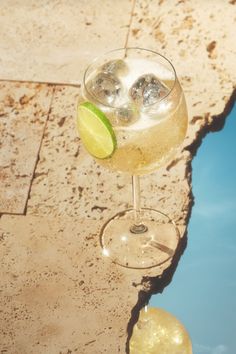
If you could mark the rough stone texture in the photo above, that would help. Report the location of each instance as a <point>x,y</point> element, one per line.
<point>67,181</point>
<point>23,112</point>
<point>197,36</point>
<point>58,295</point>
<point>49,253</point>
<point>53,41</point>
<point>62,294</point>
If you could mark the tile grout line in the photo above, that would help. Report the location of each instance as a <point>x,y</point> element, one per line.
<point>130,23</point>
<point>74,84</point>
<point>42,82</point>
<point>39,149</point>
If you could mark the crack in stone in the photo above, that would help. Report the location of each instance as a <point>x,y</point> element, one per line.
<point>38,153</point>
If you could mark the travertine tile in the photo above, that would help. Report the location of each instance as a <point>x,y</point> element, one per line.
<point>68,182</point>
<point>54,41</point>
<point>197,36</point>
<point>58,295</point>
<point>205,113</point>
<point>23,112</point>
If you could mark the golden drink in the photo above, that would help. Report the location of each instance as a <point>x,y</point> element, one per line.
<point>134,120</point>
<point>152,138</point>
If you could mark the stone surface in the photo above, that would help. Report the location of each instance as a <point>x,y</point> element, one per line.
<point>53,41</point>
<point>23,112</point>
<point>68,181</point>
<point>192,36</point>
<point>55,284</point>
<point>198,37</point>
<point>58,294</point>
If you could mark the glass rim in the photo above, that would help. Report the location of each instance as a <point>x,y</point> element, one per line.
<point>126,49</point>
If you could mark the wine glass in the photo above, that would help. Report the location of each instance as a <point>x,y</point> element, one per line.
<point>134,120</point>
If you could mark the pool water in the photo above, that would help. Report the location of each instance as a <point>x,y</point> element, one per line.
<point>202,294</point>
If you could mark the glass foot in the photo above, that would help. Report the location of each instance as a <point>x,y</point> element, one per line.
<point>153,243</point>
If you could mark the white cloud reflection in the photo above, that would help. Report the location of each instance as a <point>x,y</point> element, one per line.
<point>221,208</point>
<point>202,349</point>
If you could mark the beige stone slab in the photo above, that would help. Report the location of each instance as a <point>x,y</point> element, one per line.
<point>23,112</point>
<point>206,113</point>
<point>68,182</point>
<point>197,36</point>
<point>58,294</point>
<point>54,41</point>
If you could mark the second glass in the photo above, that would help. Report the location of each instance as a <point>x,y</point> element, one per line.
<point>136,96</point>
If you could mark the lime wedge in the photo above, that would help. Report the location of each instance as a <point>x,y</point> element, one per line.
<point>95,131</point>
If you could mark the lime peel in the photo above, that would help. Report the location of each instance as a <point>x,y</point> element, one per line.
<point>95,131</point>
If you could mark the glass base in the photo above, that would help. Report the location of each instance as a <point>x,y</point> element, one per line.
<point>147,245</point>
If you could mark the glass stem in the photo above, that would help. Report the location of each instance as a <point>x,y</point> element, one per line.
<point>138,227</point>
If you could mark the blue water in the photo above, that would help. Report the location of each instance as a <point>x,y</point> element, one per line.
<point>202,294</point>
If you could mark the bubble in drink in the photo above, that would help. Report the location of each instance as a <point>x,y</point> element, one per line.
<point>147,89</point>
<point>105,87</point>
<point>117,67</point>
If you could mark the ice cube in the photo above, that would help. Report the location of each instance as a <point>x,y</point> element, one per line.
<point>147,89</point>
<point>105,87</point>
<point>117,67</point>
<point>127,114</point>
